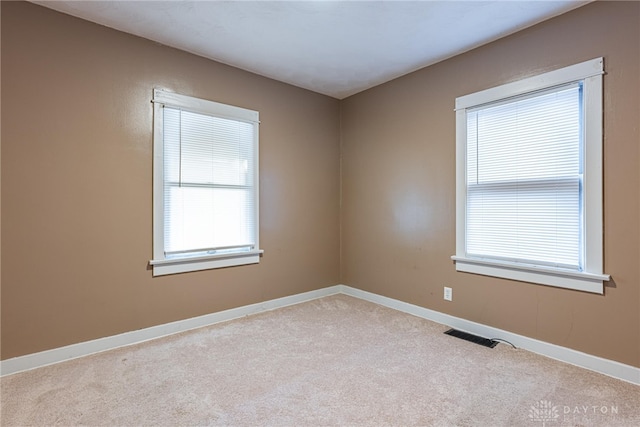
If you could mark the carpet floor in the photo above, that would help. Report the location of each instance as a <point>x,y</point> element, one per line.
<point>334,361</point>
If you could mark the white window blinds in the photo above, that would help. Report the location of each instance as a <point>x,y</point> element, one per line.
<point>524,179</point>
<point>529,179</point>
<point>209,184</point>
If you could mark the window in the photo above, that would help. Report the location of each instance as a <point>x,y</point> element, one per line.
<point>529,179</point>
<point>205,174</point>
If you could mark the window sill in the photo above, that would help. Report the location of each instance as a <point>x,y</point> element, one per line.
<point>162,267</point>
<point>582,281</point>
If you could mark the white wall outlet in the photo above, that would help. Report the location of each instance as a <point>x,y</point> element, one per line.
<point>448,294</point>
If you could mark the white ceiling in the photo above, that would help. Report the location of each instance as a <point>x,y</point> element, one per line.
<point>336,48</point>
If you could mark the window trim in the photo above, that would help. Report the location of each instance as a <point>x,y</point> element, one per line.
<point>591,278</point>
<point>162,265</point>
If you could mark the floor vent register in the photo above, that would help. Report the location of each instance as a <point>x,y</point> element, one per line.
<point>472,338</point>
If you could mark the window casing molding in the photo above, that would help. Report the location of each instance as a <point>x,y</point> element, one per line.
<point>591,278</point>
<point>161,263</point>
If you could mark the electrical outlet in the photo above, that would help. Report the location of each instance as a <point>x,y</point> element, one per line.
<point>448,294</point>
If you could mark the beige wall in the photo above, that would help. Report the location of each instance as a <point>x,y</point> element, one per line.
<point>76,184</point>
<point>398,218</point>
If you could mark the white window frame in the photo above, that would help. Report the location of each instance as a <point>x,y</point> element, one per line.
<point>161,264</point>
<point>591,278</point>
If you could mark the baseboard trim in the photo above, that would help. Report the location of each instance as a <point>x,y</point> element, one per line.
<point>594,363</point>
<point>74,351</point>
<point>36,360</point>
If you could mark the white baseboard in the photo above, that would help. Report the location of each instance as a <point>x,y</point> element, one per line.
<point>594,363</point>
<point>49,357</point>
<point>61,354</point>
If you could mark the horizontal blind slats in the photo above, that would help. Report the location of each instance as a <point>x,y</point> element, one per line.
<point>214,157</point>
<point>523,180</point>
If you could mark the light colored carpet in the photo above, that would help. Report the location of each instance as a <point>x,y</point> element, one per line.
<point>334,361</point>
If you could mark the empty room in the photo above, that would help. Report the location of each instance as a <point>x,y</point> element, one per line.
<point>320,213</point>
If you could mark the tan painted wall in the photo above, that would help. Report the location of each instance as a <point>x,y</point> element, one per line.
<point>398,186</point>
<point>77,191</point>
